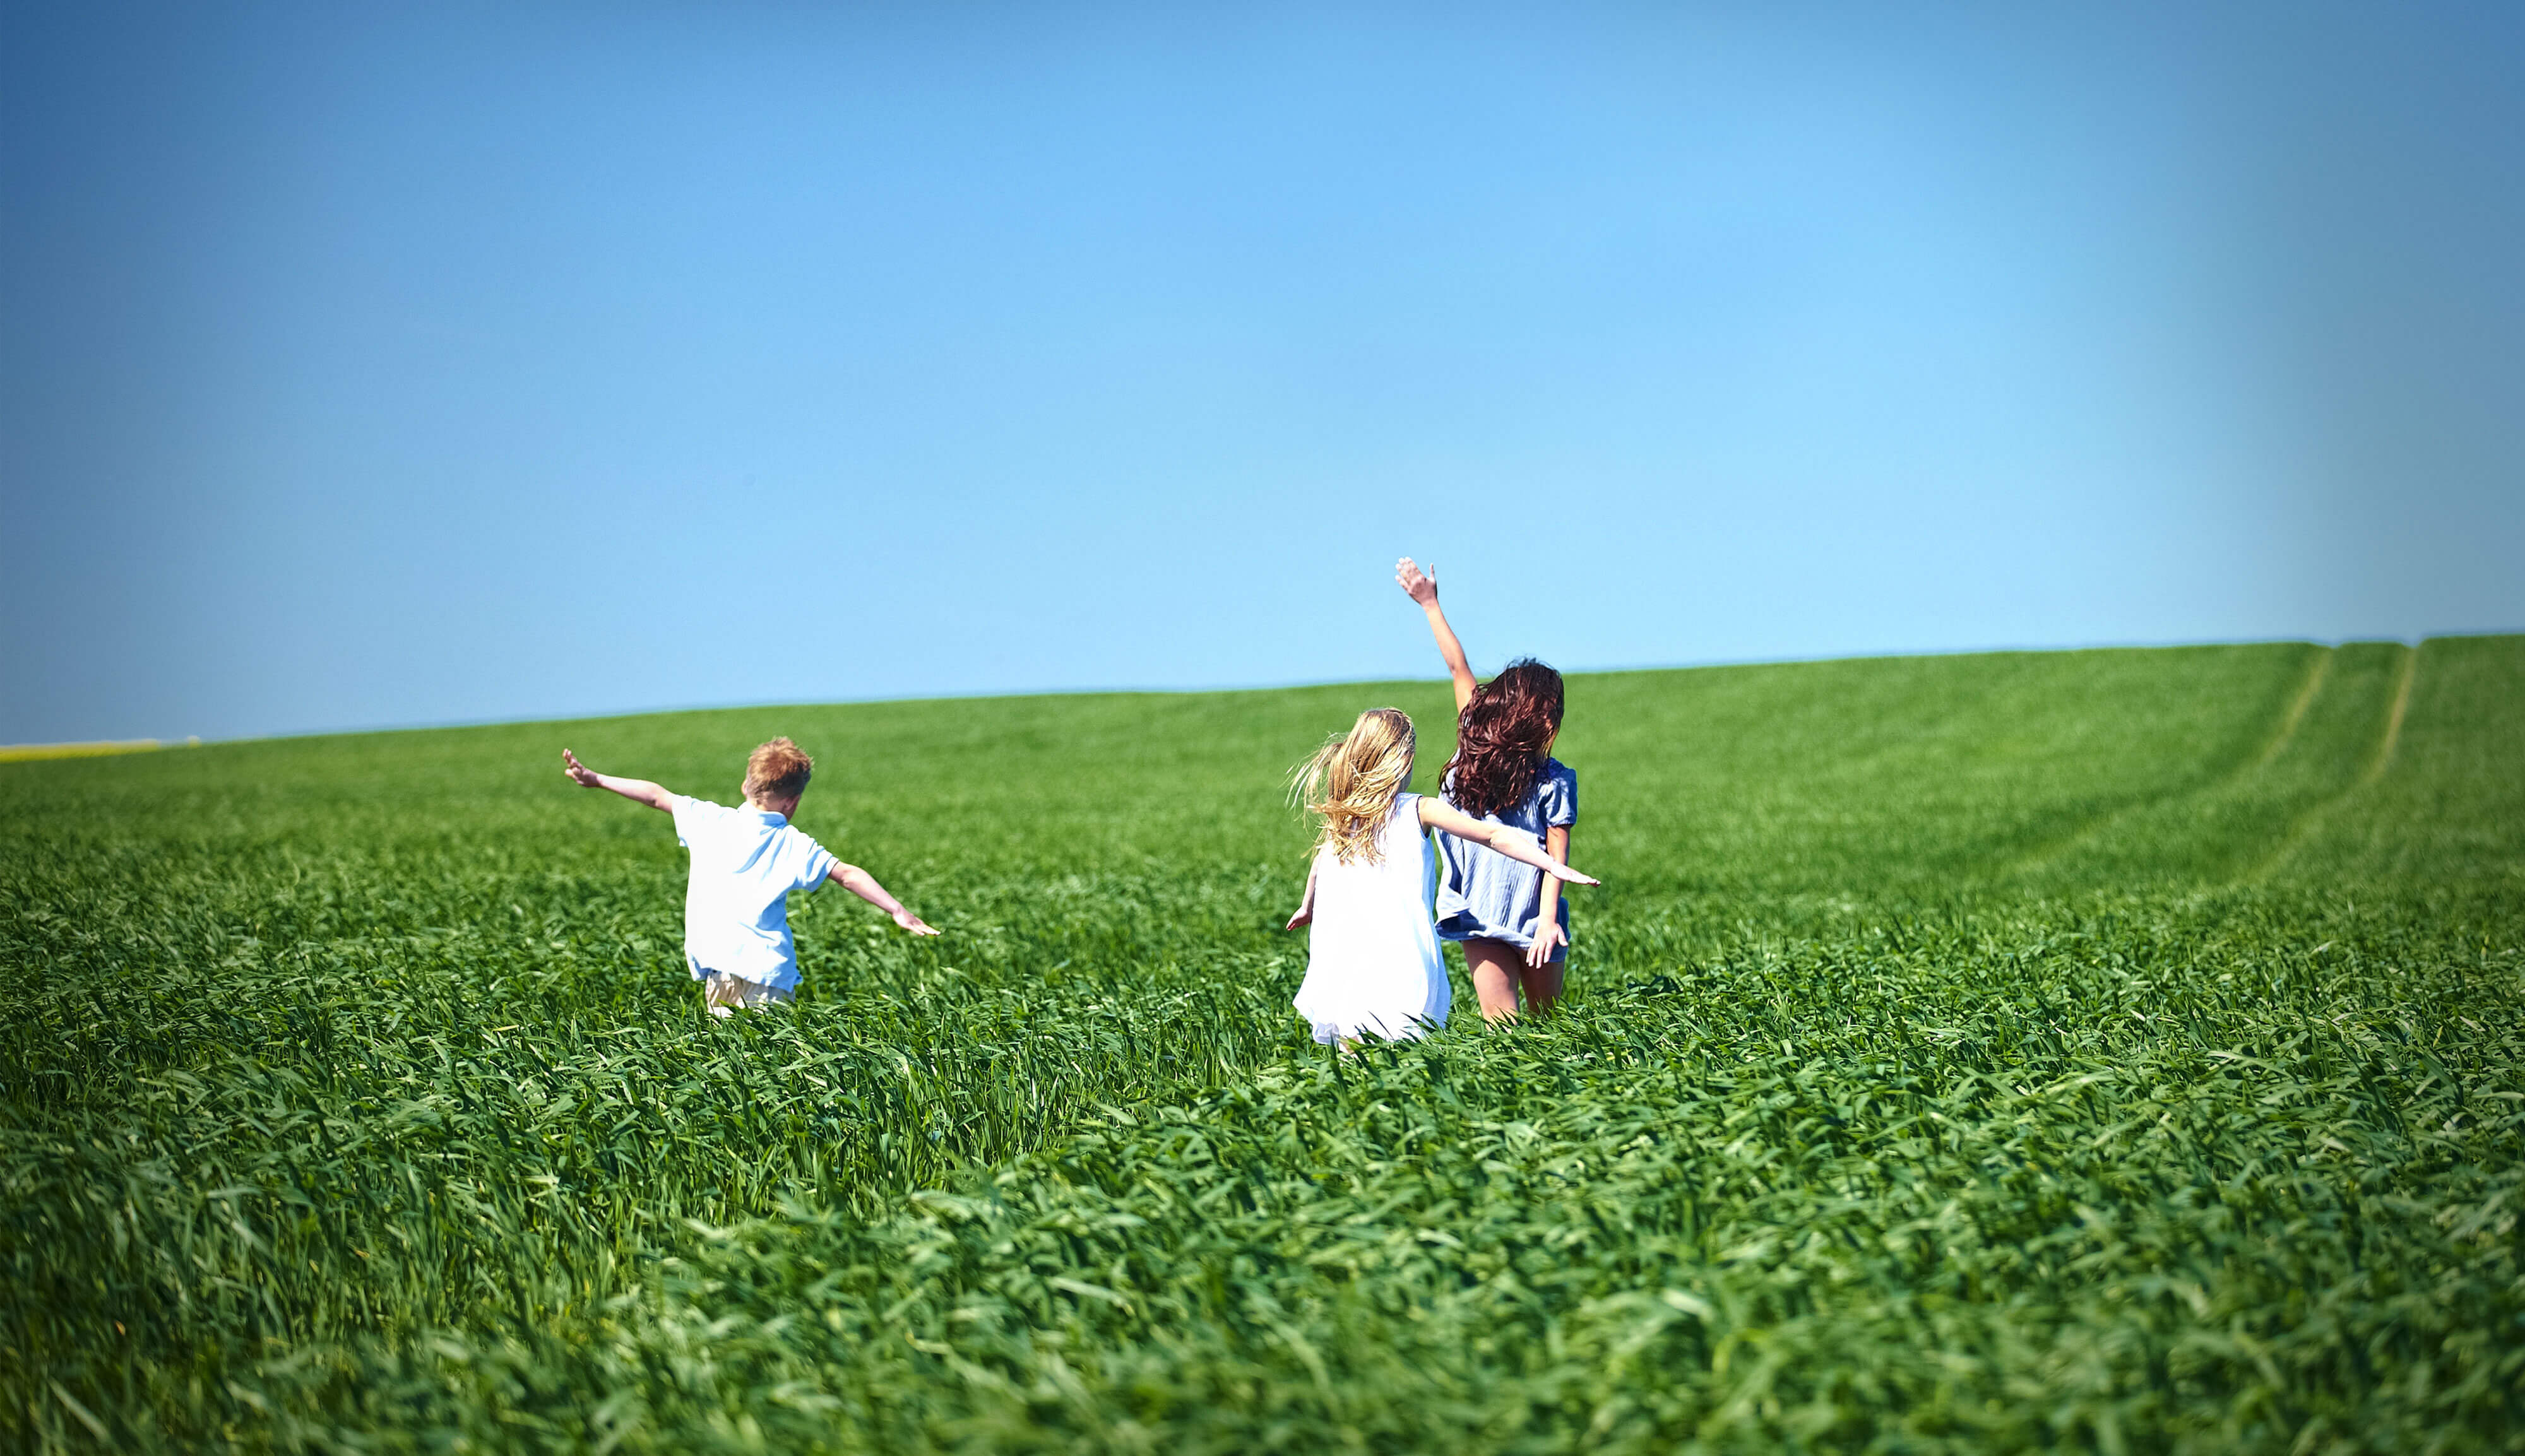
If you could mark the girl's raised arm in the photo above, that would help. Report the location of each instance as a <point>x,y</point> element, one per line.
<point>1423,589</point>
<point>1516,843</point>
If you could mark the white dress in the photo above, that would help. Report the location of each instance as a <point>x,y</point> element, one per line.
<point>1372,966</point>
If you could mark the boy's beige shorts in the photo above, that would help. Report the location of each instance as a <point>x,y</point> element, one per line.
<point>724,994</point>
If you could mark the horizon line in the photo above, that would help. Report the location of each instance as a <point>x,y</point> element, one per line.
<point>98,748</point>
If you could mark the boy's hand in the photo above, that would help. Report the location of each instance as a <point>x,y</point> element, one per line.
<point>1422,586</point>
<point>638,791</point>
<point>913,923</point>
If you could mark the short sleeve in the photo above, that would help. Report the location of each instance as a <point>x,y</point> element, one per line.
<point>688,813</point>
<point>817,866</point>
<point>1559,796</point>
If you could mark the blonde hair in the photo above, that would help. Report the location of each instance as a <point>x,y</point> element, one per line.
<point>1352,779</point>
<point>779,769</point>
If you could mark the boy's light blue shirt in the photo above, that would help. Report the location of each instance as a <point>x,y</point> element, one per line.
<point>745,862</point>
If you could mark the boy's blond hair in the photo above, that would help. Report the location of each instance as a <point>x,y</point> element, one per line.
<point>779,769</point>
<point>1352,779</point>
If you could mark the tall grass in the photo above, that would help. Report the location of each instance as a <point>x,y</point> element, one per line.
<point>2112,1051</point>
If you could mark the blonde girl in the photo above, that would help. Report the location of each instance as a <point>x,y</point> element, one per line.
<point>1372,966</point>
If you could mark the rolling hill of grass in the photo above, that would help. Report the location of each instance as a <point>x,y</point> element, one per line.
<point>2112,1051</point>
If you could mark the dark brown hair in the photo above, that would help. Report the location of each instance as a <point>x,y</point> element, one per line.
<point>1501,737</point>
<point>779,769</point>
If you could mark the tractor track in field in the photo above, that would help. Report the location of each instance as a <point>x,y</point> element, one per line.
<point>2379,759</point>
<point>2306,696</point>
<point>2281,735</point>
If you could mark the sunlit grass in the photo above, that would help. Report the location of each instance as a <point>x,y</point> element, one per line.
<point>2112,1051</point>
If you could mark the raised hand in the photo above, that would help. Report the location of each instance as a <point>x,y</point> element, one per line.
<point>1421,586</point>
<point>914,923</point>
<point>1565,872</point>
<point>638,791</point>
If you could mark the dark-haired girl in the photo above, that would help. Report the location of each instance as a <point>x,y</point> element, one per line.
<point>1510,918</point>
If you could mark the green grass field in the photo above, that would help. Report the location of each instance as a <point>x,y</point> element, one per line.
<point>2112,1051</point>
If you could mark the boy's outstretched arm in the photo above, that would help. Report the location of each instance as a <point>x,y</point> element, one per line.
<point>1516,843</point>
<point>1423,589</point>
<point>638,791</point>
<point>861,883</point>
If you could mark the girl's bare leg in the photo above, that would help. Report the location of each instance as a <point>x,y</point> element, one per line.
<point>1542,984</point>
<point>1496,968</point>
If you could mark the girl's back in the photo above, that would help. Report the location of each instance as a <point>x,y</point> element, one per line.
<point>1487,894</point>
<point>1372,963</point>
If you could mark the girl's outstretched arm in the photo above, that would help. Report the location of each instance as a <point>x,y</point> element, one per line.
<point>1306,906</point>
<point>1423,589</point>
<point>861,883</point>
<point>638,791</point>
<point>1547,928</point>
<point>1516,843</point>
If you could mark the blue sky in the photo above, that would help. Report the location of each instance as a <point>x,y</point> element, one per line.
<point>386,364</point>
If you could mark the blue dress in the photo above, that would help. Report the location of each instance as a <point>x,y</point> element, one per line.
<point>1482,893</point>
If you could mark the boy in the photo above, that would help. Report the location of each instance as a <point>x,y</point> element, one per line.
<point>745,863</point>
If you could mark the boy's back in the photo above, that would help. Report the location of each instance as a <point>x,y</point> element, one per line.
<point>745,862</point>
